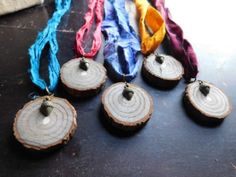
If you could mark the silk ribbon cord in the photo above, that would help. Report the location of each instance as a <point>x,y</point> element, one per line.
<point>48,35</point>
<point>121,42</point>
<point>151,26</point>
<point>95,7</point>
<point>180,47</point>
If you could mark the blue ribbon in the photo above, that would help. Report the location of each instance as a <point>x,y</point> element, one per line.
<point>48,35</point>
<point>121,42</point>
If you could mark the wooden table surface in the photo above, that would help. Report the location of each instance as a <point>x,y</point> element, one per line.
<point>170,145</point>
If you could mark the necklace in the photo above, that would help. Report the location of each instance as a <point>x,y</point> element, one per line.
<point>162,71</point>
<point>126,106</point>
<point>47,121</point>
<point>203,101</point>
<point>83,77</point>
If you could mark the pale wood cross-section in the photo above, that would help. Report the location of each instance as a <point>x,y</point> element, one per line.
<point>163,75</point>
<point>81,83</point>
<point>35,131</point>
<point>123,113</point>
<point>213,107</point>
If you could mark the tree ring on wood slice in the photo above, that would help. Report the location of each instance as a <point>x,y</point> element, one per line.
<point>210,108</point>
<point>38,132</point>
<point>80,82</point>
<point>165,74</point>
<point>123,113</point>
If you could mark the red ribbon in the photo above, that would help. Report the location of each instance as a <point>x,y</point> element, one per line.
<point>95,7</point>
<point>180,47</point>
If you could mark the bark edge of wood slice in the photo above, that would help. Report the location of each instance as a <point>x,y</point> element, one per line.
<point>31,115</point>
<point>204,109</point>
<point>80,83</point>
<point>122,122</point>
<point>152,73</point>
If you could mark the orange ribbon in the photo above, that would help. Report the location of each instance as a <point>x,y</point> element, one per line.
<point>151,26</point>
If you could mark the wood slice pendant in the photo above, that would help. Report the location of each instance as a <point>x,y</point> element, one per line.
<point>83,77</point>
<point>162,71</point>
<point>127,106</point>
<point>206,102</point>
<point>45,122</point>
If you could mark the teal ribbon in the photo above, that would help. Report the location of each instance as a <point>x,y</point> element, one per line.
<point>48,35</point>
